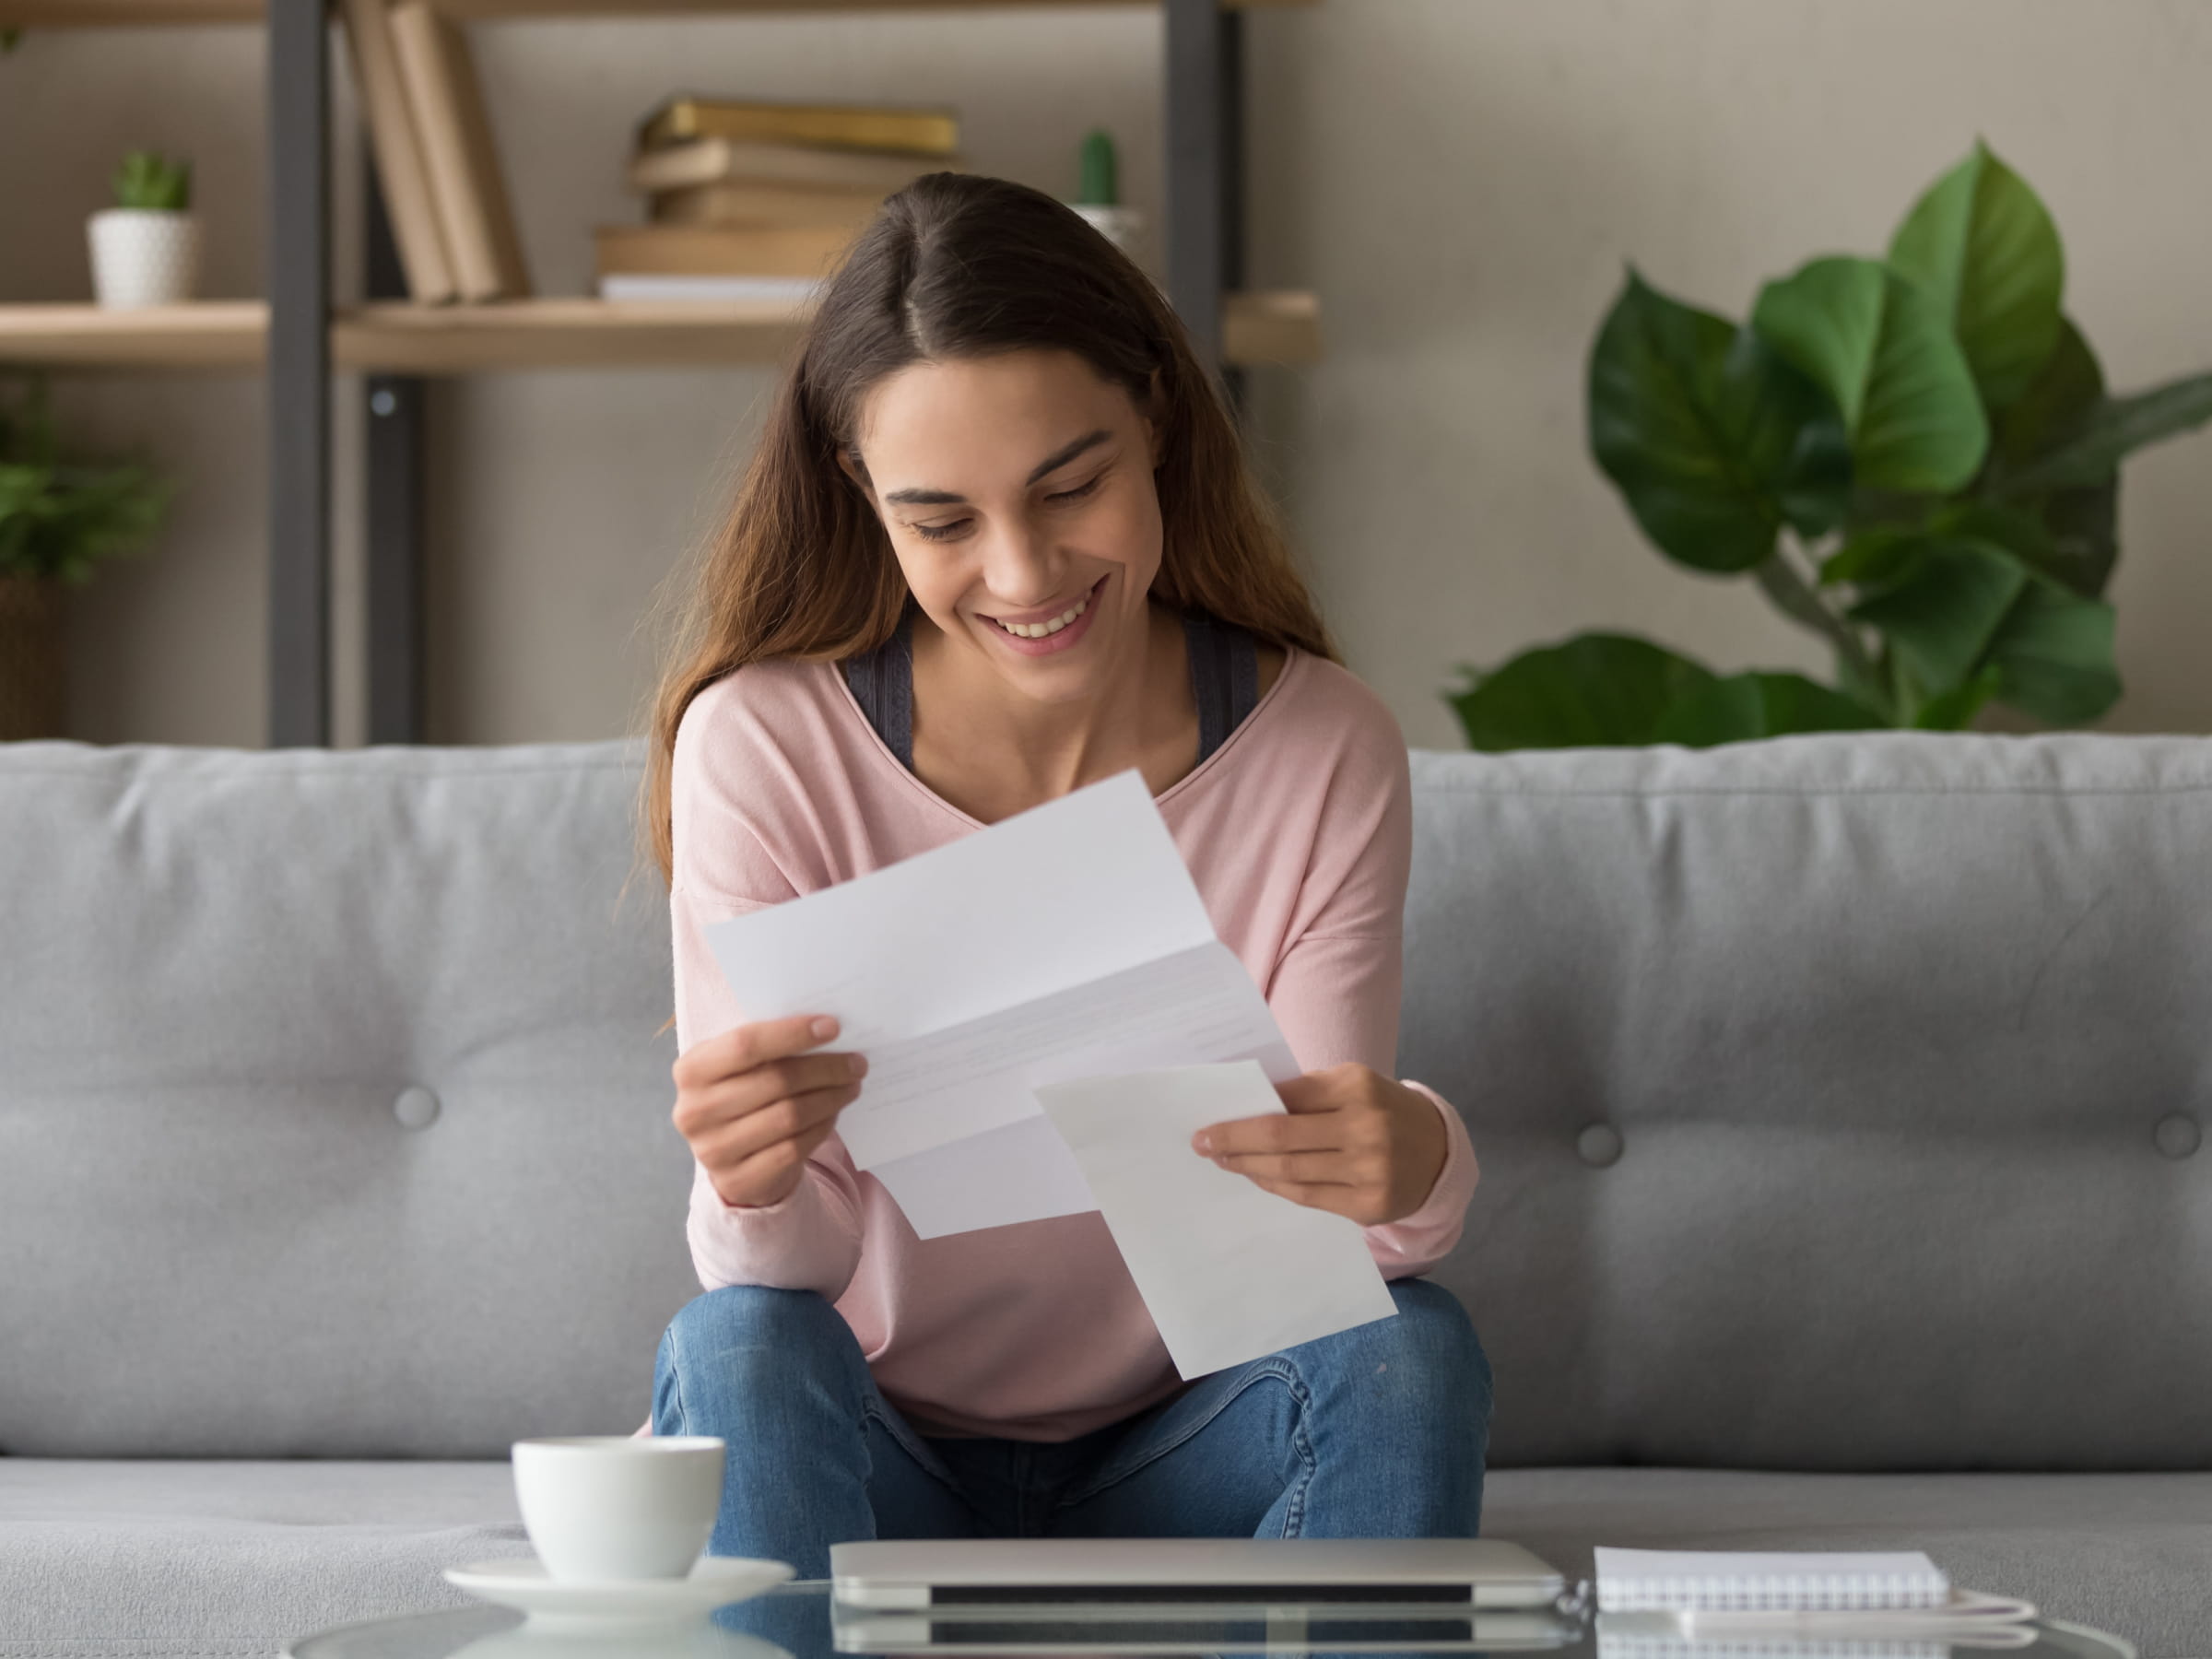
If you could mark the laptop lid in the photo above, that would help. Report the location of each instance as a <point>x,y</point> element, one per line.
<point>974,1574</point>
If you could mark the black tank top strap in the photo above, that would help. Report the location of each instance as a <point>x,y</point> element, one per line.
<point>1225,678</point>
<point>883,684</point>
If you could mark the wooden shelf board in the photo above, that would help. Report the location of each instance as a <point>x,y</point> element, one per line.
<point>563,333</point>
<point>112,14</point>
<point>1272,327</point>
<point>103,13</point>
<point>208,333</point>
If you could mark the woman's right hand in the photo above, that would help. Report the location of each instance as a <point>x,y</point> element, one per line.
<point>752,1103</point>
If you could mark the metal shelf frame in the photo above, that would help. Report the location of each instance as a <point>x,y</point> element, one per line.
<point>1203,112</point>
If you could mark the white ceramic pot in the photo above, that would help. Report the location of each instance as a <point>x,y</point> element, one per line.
<point>144,256</point>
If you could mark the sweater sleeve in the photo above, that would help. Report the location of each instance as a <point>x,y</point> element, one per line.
<point>810,1240</point>
<point>1334,991</point>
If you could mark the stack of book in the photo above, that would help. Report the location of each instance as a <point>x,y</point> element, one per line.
<point>435,160</point>
<point>760,200</point>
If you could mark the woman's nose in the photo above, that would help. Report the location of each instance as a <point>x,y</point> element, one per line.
<point>1020,567</point>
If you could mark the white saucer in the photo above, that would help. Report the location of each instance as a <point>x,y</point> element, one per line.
<point>714,1581</point>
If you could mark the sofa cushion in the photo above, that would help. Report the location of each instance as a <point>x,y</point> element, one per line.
<point>129,1560</point>
<point>2131,1554</point>
<point>334,1114</point>
<point>1840,1100</point>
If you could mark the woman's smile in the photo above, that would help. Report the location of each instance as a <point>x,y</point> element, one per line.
<point>1047,635</point>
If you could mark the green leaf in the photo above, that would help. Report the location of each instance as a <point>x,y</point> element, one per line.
<point>2115,427</point>
<point>147,179</point>
<point>2085,533</point>
<point>2082,523</point>
<point>2064,390</point>
<point>1596,691</point>
<point>2054,654</point>
<point>1955,710</point>
<point>1826,319</point>
<point>59,519</point>
<point>1746,706</point>
<point>1712,439</point>
<point>1981,243</point>
<point>2011,527</point>
<point>1871,558</point>
<point>1943,608</point>
<point>1882,348</point>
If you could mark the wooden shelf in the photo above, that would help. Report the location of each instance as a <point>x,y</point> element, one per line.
<point>1271,325</point>
<point>104,14</point>
<point>1265,327</point>
<point>208,333</point>
<point>561,333</point>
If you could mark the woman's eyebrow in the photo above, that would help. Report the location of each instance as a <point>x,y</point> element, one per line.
<point>1052,463</point>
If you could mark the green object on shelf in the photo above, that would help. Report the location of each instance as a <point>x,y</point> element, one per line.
<point>149,180</point>
<point>59,517</point>
<point>1100,188</point>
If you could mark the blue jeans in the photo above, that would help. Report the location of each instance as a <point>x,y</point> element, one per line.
<point>1376,1432</point>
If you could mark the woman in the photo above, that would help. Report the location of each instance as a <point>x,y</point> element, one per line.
<point>997,542</point>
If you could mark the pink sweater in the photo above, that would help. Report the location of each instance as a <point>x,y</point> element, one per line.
<point>1298,833</point>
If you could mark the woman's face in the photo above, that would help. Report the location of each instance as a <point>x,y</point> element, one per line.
<point>1018,493</point>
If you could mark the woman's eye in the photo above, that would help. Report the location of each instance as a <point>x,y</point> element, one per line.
<point>937,531</point>
<point>1076,494</point>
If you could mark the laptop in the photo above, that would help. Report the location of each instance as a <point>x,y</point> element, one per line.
<point>974,1576</point>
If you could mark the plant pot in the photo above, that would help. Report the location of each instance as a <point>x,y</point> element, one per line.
<point>33,685</point>
<point>1117,225</point>
<point>144,256</point>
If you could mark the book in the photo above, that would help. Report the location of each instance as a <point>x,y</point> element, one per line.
<point>720,250</point>
<point>1658,1636</point>
<point>698,162</point>
<point>737,204</point>
<point>1634,1581</point>
<point>400,172</point>
<point>463,163</point>
<point>788,289</point>
<point>826,126</point>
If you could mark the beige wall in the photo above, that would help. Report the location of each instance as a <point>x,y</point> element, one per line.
<point>1462,180</point>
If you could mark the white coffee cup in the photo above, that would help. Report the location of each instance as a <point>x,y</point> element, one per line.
<point>606,1508</point>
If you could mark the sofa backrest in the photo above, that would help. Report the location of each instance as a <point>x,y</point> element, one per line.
<point>1838,1099</point>
<point>333,1103</point>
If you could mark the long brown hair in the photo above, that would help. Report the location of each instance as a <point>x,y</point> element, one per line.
<point>957,265</point>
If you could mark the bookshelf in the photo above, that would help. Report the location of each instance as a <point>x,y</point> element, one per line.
<point>297,338</point>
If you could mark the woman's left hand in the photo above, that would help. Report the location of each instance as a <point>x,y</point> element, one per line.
<point>1352,1141</point>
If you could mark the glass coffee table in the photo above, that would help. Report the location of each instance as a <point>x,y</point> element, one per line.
<point>799,1620</point>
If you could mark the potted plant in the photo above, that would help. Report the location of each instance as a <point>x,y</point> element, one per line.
<point>1097,192</point>
<point>145,249</point>
<point>1914,457</point>
<point>57,520</point>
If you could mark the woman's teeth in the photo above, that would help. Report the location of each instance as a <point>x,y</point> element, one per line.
<point>1037,630</point>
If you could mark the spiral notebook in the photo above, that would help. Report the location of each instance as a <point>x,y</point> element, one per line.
<point>1641,1581</point>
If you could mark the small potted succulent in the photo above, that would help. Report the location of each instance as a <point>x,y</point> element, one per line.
<point>145,249</point>
<point>1098,195</point>
<point>58,519</point>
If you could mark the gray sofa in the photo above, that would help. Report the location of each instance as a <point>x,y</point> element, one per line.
<point>1838,1100</point>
